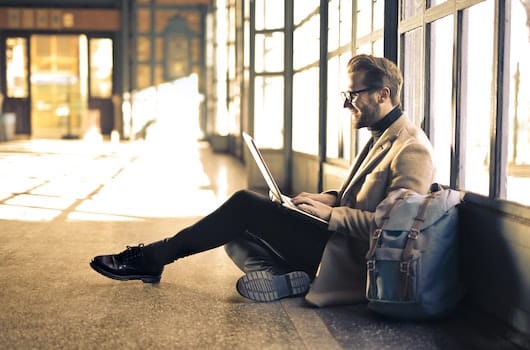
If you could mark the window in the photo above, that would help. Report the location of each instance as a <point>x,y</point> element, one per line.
<point>306,57</point>
<point>491,160</point>
<point>269,81</point>
<point>411,8</point>
<point>436,2</point>
<point>269,14</point>
<point>518,162</point>
<point>306,43</point>
<point>441,88</point>
<point>16,68</point>
<point>101,68</point>
<point>268,111</point>
<point>477,84</point>
<point>369,40</point>
<point>305,111</point>
<point>413,77</point>
<point>269,52</point>
<point>338,124</point>
<point>338,118</point>
<point>370,16</point>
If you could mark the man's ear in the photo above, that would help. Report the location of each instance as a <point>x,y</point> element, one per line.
<point>384,94</point>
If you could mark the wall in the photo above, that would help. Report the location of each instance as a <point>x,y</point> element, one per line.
<point>496,258</point>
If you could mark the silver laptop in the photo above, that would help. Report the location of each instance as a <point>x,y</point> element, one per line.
<point>271,183</point>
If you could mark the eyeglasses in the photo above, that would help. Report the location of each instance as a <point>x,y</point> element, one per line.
<point>350,96</point>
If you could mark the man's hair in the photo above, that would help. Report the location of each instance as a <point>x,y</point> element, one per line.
<point>378,72</point>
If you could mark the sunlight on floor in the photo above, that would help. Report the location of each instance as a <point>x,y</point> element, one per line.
<point>157,176</point>
<point>139,182</point>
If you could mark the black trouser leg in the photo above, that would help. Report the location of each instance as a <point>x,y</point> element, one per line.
<point>251,253</point>
<point>298,241</point>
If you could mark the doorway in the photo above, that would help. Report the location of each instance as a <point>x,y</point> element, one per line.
<point>59,80</point>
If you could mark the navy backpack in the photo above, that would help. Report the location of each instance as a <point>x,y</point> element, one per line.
<point>412,263</point>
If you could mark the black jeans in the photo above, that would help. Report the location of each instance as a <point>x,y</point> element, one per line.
<point>258,233</point>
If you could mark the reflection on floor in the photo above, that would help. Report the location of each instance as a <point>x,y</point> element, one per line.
<point>62,202</point>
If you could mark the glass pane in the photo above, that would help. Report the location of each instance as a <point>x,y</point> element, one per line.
<point>306,45</point>
<point>303,8</point>
<point>477,82</point>
<point>338,118</point>
<point>269,14</point>
<point>16,68</point>
<point>101,68</point>
<point>441,68</point>
<point>519,105</point>
<point>143,48</point>
<point>246,44</point>
<point>58,87</point>
<point>413,75</point>
<point>379,14</point>
<point>305,111</point>
<point>410,8</point>
<point>436,2</point>
<point>346,22</point>
<point>365,48</point>
<point>333,137</point>
<point>378,48</point>
<point>364,17</point>
<point>269,52</point>
<point>268,112</point>
<point>143,76</point>
<point>333,28</point>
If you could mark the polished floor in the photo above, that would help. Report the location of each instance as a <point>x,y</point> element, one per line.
<point>64,201</point>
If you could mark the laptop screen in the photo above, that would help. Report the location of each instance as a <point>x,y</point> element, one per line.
<point>262,166</point>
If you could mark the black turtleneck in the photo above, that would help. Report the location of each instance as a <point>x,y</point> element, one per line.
<point>387,120</point>
<point>379,128</point>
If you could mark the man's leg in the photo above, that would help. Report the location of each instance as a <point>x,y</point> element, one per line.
<point>251,253</point>
<point>298,241</point>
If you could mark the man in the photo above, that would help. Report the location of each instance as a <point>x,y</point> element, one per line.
<point>279,252</point>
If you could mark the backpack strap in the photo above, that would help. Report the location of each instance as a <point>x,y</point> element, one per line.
<point>377,232</point>
<point>376,235</point>
<point>407,251</point>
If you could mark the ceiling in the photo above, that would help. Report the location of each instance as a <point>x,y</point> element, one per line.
<point>84,3</point>
<point>62,3</point>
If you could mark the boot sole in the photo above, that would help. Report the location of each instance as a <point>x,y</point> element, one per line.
<point>143,278</point>
<point>262,286</point>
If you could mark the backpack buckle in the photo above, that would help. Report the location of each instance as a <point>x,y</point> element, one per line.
<point>413,233</point>
<point>404,266</point>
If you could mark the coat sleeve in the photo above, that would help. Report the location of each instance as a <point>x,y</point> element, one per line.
<point>411,168</point>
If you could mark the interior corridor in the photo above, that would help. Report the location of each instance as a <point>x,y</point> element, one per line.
<point>64,201</point>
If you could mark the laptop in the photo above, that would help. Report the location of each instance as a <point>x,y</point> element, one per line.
<point>284,200</point>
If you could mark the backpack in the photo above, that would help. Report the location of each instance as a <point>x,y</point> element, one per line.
<point>412,263</point>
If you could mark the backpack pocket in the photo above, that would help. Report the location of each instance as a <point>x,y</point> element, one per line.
<point>392,280</point>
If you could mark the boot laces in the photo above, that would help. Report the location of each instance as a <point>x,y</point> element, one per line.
<point>131,253</point>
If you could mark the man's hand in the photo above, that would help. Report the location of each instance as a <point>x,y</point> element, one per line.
<point>315,204</point>
<point>325,198</point>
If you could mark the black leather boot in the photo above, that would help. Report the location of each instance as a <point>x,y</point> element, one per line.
<point>131,264</point>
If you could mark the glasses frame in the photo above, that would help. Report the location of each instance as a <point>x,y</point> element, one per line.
<point>351,96</point>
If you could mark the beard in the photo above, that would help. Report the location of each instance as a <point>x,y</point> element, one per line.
<point>365,116</point>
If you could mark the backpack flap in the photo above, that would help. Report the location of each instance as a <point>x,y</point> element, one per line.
<point>404,213</point>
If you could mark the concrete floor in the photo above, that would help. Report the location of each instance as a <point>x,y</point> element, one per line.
<point>62,202</point>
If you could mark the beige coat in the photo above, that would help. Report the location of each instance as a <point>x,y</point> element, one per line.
<point>401,158</point>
